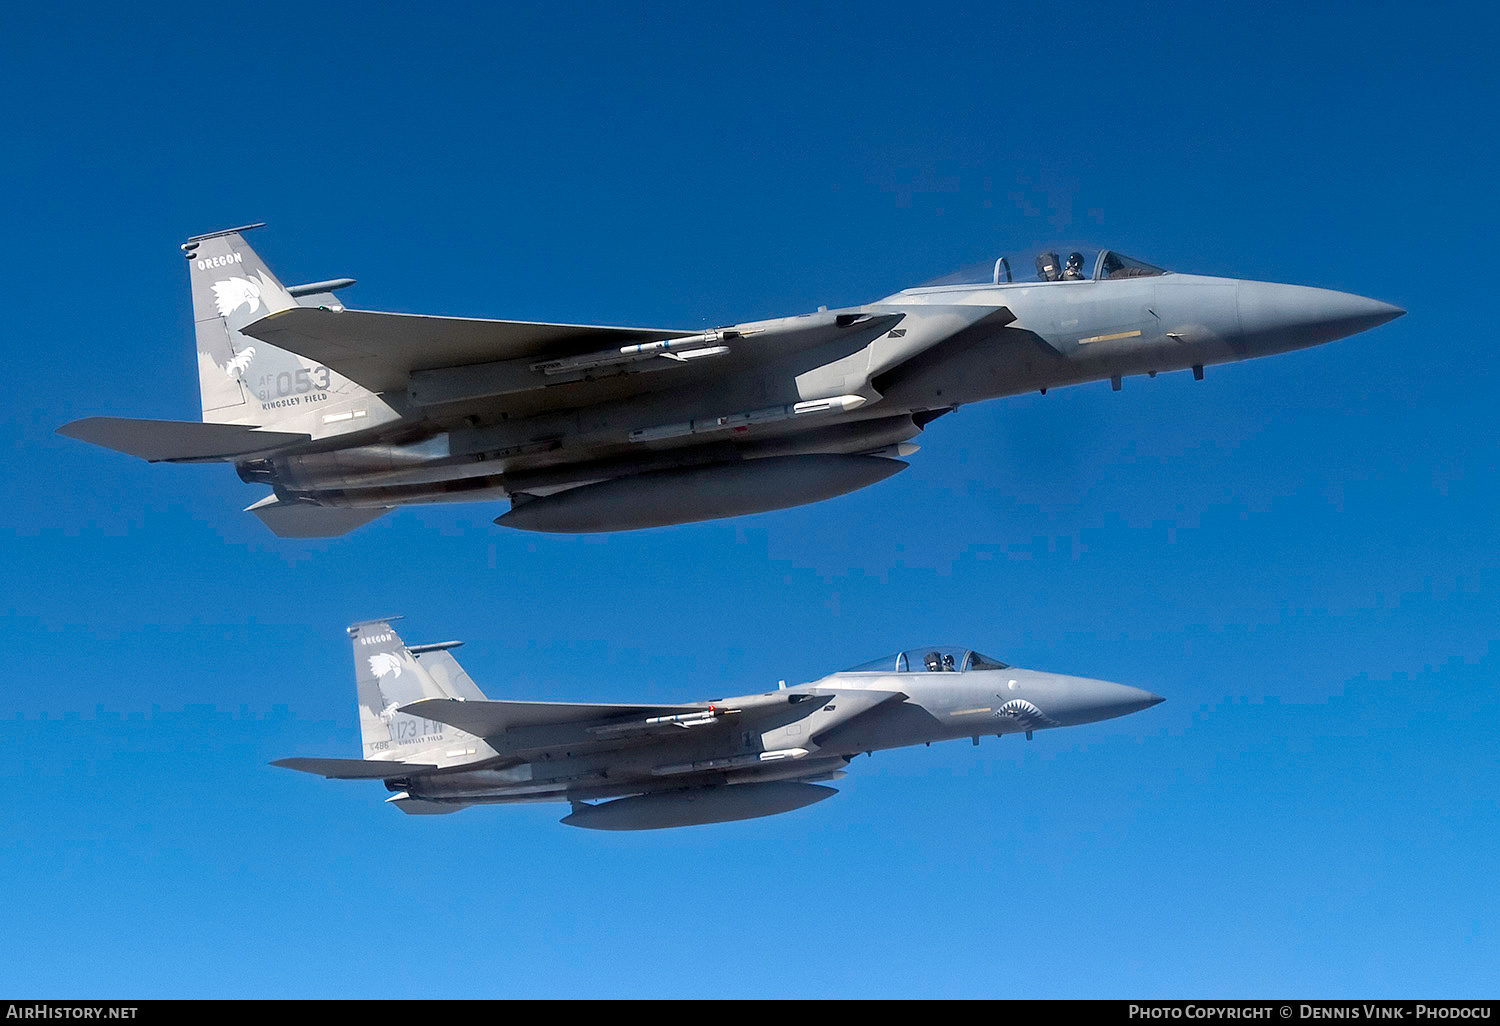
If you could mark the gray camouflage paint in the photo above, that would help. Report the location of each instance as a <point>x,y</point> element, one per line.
<point>676,765</point>
<point>388,676</point>
<point>541,410</point>
<point>244,380</point>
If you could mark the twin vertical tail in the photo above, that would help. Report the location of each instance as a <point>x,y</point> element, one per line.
<point>388,676</point>
<point>231,287</point>
<point>242,380</point>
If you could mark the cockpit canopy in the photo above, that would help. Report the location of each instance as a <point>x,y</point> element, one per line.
<point>1063,263</point>
<point>932,659</point>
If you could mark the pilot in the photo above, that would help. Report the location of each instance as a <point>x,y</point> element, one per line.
<point>1074,269</point>
<point>948,662</point>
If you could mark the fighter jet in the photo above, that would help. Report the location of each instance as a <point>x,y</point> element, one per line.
<point>347,414</point>
<point>441,746</point>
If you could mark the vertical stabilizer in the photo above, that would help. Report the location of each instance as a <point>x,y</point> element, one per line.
<point>389,676</point>
<point>242,380</point>
<point>449,676</point>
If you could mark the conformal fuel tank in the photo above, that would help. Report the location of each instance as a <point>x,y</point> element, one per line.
<point>689,494</point>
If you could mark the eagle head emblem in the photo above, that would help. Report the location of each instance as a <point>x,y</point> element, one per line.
<point>382,663</point>
<point>233,293</point>
<point>240,363</point>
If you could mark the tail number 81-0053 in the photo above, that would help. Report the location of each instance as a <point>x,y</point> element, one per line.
<point>287,383</point>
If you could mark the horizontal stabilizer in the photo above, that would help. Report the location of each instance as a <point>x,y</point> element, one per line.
<point>177,441</point>
<point>487,719</point>
<point>380,350</point>
<point>418,807</point>
<point>354,769</point>
<point>303,520</point>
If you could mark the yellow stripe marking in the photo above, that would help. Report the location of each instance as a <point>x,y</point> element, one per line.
<point>1109,338</point>
<point>971,712</point>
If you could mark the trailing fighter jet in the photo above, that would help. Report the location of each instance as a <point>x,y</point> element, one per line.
<point>346,414</point>
<point>436,741</point>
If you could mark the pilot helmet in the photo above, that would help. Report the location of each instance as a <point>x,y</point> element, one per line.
<point>1075,262</point>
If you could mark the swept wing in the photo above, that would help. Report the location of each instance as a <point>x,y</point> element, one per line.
<point>489,719</point>
<point>381,350</point>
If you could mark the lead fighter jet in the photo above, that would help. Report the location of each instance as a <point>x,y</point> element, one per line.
<point>441,746</point>
<point>346,414</point>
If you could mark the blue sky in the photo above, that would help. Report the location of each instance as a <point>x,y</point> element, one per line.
<point>1297,552</point>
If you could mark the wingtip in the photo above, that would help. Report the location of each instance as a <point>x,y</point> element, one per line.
<point>72,428</point>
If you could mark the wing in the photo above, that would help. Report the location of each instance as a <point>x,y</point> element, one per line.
<point>517,727</point>
<point>488,719</point>
<point>381,350</point>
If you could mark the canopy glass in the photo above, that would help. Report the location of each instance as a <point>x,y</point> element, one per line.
<point>930,659</point>
<point>1063,264</point>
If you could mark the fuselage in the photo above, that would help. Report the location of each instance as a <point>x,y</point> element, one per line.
<point>804,733</point>
<point>440,745</point>
<point>839,386</point>
<point>1102,330</point>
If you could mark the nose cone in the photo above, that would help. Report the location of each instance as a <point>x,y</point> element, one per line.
<point>1082,700</point>
<point>1276,318</point>
<point>1122,699</point>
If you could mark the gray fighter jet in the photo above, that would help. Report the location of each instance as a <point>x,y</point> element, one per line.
<point>348,413</point>
<point>441,746</point>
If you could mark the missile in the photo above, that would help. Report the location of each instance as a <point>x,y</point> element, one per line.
<point>687,719</point>
<point>697,806</point>
<point>708,716</point>
<point>740,421</point>
<point>895,452</point>
<point>695,346</point>
<point>729,762</point>
<point>685,495</point>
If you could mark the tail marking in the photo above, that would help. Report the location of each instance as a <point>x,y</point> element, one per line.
<point>233,293</point>
<point>237,366</point>
<point>383,663</point>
